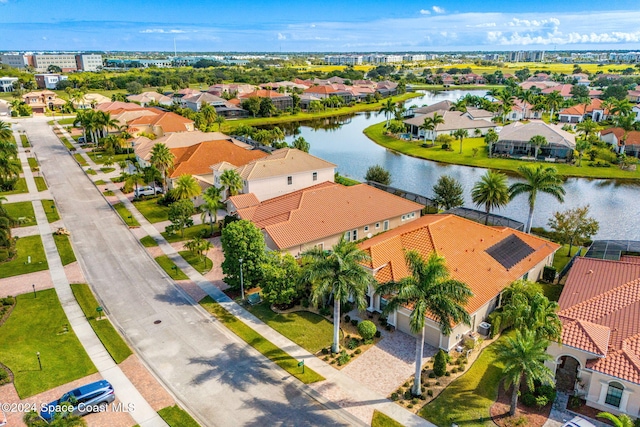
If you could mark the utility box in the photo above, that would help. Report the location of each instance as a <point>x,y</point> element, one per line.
<point>484,328</point>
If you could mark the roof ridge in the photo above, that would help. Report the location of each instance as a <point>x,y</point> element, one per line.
<point>633,356</point>
<point>593,340</point>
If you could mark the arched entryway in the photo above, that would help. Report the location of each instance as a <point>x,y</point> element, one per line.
<point>566,373</point>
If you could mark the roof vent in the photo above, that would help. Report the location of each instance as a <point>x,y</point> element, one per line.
<point>590,272</point>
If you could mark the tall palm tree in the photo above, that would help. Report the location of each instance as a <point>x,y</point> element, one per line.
<point>162,159</point>
<point>431,123</point>
<point>622,420</point>
<point>582,145</point>
<point>388,108</point>
<point>538,141</point>
<point>212,202</point>
<point>491,138</point>
<point>523,357</point>
<point>627,123</point>
<point>461,134</point>
<point>219,120</point>
<point>491,192</point>
<point>554,101</point>
<point>186,187</point>
<point>587,127</point>
<point>507,101</point>
<point>301,144</point>
<point>5,131</point>
<point>544,179</point>
<point>232,181</point>
<point>526,96</point>
<point>431,292</point>
<point>338,273</point>
<point>621,107</point>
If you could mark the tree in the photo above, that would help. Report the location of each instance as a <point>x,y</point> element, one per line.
<point>507,101</point>
<point>280,273</point>
<point>461,134</point>
<point>582,145</point>
<point>133,88</point>
<point>232,181</point>
<point>491,192</point>
<point>491,138</point>
<point>448,193</point>
<point>538,141</point>
<point>523,357</point>
<point>301,144</point>
<point>440,363</point>
<point>266,107</point>
<point>627,123</point>
<point>622,420</point>
<point>162,159</point>
<point>5,131</point>
<point>388,109</point>
<point>554,101</point>
<point>337,274</point>
<point>252,105</point>
<point>544,179</point>
<point>242,240</point>
<point>431,123</point>
<point>180,215</point>
<point>377,173</point>
<point>212,202</point>
<point>587,127</point>
<point>219,120</point>
<point>367,330</point>
<point>574,226</point>
<point>186,187</point>
<point>428,289</point>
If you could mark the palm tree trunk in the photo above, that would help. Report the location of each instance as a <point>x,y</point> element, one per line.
<point>514,398</point>
<point>417,382</point>
<point>460,145</point>
<point>529,219</point>
<point>335,348</point>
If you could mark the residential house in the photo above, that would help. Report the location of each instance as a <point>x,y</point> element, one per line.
<point>580,112</point>
<point>117,105</point>
<point>306,99</point>
<point>565,91</point>
<point>634,95</point>
<point>49,81</point>
<point>479,114</point>
<point>523,111</point>
<point>438,106</point>
<point>487,259</point>
<point>580,79</point>
<point>235,89</point>
<point>320,215</point>
<point>636,112</point>
<point>616,137</point>
<point>160,124</point>
<point>599,355</point>
<point>280,101</point>
<point>124,117</point>
<point>387,88</point>
<point>538,84</point>
<point>453,120</point>
<point>40,101</point>
<point>514,141</point>
<point>90,100</point>
<point>146,98</point>
<point>7,84</point>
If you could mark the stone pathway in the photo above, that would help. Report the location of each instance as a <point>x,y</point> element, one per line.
<point>560,414</point>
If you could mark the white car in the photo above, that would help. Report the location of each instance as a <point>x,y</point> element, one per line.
<point>578,422</point>
<point>147,191</point>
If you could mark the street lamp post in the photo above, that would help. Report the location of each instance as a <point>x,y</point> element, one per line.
<point>34,291</point>
<point>241,280</point>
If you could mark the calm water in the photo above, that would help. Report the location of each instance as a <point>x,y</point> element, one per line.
<point>615,205</point>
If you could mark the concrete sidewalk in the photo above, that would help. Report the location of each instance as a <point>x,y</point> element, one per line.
<point>144,414</point>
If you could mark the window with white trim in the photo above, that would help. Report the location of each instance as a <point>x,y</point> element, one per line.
<point>614,394</point>
<point>377,225</point>
<point>404,217</point>
<point>347,236</point>
<point>366,228</point>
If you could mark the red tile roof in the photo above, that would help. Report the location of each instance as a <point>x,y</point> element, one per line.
<point>633,137</point>
<point>263,93</point>
<point>169,122</point>
<point>197,159</point>
<point>322,90</point>
<point>578,110</point>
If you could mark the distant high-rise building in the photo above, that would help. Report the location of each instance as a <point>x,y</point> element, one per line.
<point>88,62</point>
<point>17,60</point>
<point>526,56</point>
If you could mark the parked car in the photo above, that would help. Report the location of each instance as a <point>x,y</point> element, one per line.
<point>89,398</point>
<point>82,140</point>
<point>578,422</point>
<point>147,191</point>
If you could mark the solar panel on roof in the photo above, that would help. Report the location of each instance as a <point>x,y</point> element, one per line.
<point>510,251</point>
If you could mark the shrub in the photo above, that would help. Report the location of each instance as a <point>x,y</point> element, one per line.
<point>410,405</point>
<point>430,393</point>
<point>440,363</point>
<point>378,334</point>
<point>325,350</point>
<point>447,373</point>
<point>542,401</point>
<point>353,344</point>
<point>3,375</point>
<point>407,395</point>
<point>406,384</point>
<point>414,401</point>
<point>324,311</point>
<point>432,375</point>
<point>347,318</point>
<point>367,330</point>
<point>437,382</point>
<point>326,358</point>
<point>528,399</point>
<point>305,303</point>
<point>358,351</point>
<point>343,358</point>
<point>383,321</point>
<point>549,274</point>
<point>354,322</point>
<point>461,361</point>
<point>394,396</point>
<point>333,361</point>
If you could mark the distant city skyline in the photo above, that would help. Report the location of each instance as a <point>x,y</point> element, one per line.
<point>330,26</point>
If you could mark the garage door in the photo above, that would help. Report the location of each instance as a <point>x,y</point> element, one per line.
<point>431,334</point>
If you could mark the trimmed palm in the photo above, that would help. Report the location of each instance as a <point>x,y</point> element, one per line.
<point>301,144</point>
<point>186,187</point>
<point>212,202</point>
<point>622,420</point>
<point>538,179</point>
<point>526,96</point>
<point>553,102</point>
<point>388,108</point>
<point>460,134</point>
<point>232,181</point>
<point>538,141</point>
<point>582,145</point>
<point>162,159</point>
<point>587,127</point>
<point>491,138</point>
<point>431,123</point>
<point>430,291</point>
<point>491,192</point>
<point>5,131</point>
<point>338,273</point>
<point>523,357</point>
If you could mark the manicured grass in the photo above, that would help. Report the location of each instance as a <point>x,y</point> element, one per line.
<point>381,420</point>
<point>309,330</point>
<point>25,141</point>
<point>67,143</point>
<point>99,182</point>
<point>468,399</point>
<point>414,148</point>
<point>177,417</point>
<point>21,212</point>
<point>347,182</point>
<point>107,170</point>
<point>260,343</point>
<point>67,121</point>
<point>25,247</point>
<point>167,265</point>
<point>189,233</point>
<point>112,341</point>
<point>20,187</point>
<point>151,210</point>
<point>562,258</point>
<point>148,242</point>
<point>41,184</point>
<point>40,325</point>
<point>125,214</point>
<point>33,164</point>
<point>50,210</point>
<point>80,159</point>
<point>67,256</point>
<point>100,157</point>
<point>197,262</point>
<point>551,291</point>
<point>91,171</point>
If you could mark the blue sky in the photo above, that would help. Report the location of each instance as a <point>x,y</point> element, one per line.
<point>306,26</point>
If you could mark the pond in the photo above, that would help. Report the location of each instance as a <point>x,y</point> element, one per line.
<point>613,203</point>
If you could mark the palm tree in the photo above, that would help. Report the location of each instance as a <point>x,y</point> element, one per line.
<point>212,202</point>
<point>186,187</point>
<point>507,102</point>
<point>587,127</point>
<point>491,192</point>
<point>232,181</point>
<point>219,120</point>
<point>301,144</point>
<point>582,145</point>
<point>388,108</point>
<point>491,138</point>
<point>526,96</point>
<point>627,123</point>
<point>459,105</point>
<point>338,273</point>
<point>523,357</point>
<point>538,141</point>
<point>622,420</point>
<point>431,123</point>
<point>621,107</point>
<point>162,159</point>
<point>5,131</point>
<point>553,102</point>
<point>461,134</point>
<point>430,292</point>
<point>539,178</point>
<point>9,168</point>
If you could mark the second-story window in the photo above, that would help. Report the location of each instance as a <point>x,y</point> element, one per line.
<point>289,180</point>
<point>315,176</point>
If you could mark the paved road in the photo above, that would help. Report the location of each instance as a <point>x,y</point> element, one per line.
<point>221,380</point>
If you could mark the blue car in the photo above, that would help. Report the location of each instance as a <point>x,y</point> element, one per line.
<point>92,397</point>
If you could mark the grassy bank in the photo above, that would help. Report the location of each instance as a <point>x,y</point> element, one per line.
<point>50,210</point>
<point>480,158</point>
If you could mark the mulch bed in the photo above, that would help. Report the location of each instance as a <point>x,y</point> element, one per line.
<point>589,412</point>
<point>525,416</point>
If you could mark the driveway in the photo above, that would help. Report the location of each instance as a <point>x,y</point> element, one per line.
<point>220,379</point>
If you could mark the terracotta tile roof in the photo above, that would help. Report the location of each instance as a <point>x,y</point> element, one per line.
<point>242,201</point>
<point>453,120</point>
<point>264,93</point>
<point>284,161</point>
<point>322,90</point>
<point>147,97</point>
<point>633,137</point>
<point>578,110</point>
<point>604,295</point>
<point>118,105</point>
<point>169,122</point>
<point>197,159</point>
<point>324,210</point>
<point>463,243</point>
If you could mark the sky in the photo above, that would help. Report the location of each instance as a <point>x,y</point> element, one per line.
<point>314,26</point>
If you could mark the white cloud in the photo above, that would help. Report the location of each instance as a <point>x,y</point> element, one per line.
<point>425,12</point>
<point>483,25</point>
<point>437,9</point>
<point>281,36</point>
<point>161,31</point>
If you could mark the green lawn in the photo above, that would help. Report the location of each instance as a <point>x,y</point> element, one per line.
<point>562,258</point>
<point>80,159</point>
<point>67,256</point>
<point>468,399</point>
<point>26,246</point>
<point>40,325</point>
<point>100,182</point>
<point>100,157</point>
<point>25,141</point>
<point>196,261</point>
<point>347,182</point>
<point>49,208</point>
<point>551,291</point>
<point>112,341</point>
<point>148,242</point>
<point>21,212</point>
<point>125,214</point>
<point>151,210</point>
<point>41,184</point>
<point>260,343</point>
<point>177,417</point>
<point>381,420</point>
<point>20,187</point>
<point>189,233</point>
<point>309,330</point>
<point>107,170</point>
<point>414,148</point>
<point>67,143</point>
<point>33,164</point>
<point>91,171</point>
<point>67,121</point>
<point>167,265</point>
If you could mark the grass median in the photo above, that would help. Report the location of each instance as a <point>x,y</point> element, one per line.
<point>41,184</point>
<point>50,210</point>
<point>148,242</point>
<point>67,256</point>
<point>126,215</point>
<point>19,187</point>
<point>170,268</point>
<point>175,416</point>
<point>260,343</point>
<point>381,420</point>
<point>80,159</point>
<point>110,338</point>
